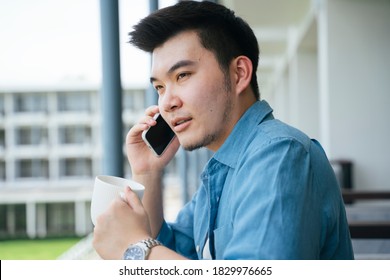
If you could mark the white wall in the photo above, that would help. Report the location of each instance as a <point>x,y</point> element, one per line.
<point>304,101</point>
<point>358,76</point>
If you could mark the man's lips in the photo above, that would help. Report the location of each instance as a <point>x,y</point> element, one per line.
<point>180,124</point>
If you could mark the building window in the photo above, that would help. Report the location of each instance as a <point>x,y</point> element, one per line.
<point>2,170</point>
<point>60,219</point>
<point>2,106</point>
<point>2,138</point>
<point>75,135</point>
<point>16,227</point>
<point>74,102</point>
<point>76,167</point>
<point>3,221</point>
<point>33,102</point>
<point>34,135</point>
<point>32,168</point>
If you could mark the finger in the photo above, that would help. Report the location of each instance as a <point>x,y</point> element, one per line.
<point>145,122</point>
<point>133,136</point>
<point>137,129</point>
<point>132,198</point>
<point>149,120</point>
<point>152,110</point>
<point>123,197</point>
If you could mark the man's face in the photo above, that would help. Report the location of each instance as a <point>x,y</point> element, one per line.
<point>194,96</point>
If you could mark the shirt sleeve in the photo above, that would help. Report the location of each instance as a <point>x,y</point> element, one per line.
<point>276,212</point>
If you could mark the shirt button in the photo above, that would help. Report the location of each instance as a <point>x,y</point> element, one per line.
<point>197,248</point>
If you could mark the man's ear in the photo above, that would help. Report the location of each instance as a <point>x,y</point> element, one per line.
<point>242,67</point>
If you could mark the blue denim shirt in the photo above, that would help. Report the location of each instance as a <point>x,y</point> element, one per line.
<point>269,192</point>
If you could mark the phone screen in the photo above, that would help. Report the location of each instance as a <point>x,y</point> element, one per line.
<point>159,136</point>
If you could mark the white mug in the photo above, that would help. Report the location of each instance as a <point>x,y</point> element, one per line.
<point>106,189</point>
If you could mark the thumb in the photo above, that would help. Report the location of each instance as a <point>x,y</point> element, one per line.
<point>132,198</point>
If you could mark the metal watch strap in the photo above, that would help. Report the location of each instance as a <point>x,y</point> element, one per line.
<point>151,242</point>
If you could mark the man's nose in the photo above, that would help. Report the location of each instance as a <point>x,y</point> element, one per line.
<point>170,100</point>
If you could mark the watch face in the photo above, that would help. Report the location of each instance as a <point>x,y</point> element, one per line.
<point>134,253</point>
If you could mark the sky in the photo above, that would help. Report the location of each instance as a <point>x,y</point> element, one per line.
<point>52,42</point>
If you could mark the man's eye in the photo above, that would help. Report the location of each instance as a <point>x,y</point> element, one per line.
<point>158,88</point>
<point>182,75</point>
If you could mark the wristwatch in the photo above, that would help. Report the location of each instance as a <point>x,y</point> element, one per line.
<point>140,250</point>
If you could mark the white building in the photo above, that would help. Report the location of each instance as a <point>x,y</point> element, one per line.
<point>50,152</point>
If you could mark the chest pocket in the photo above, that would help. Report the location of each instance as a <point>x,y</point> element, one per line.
<point>222,237</point>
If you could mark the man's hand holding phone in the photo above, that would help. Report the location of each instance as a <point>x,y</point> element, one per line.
<point>150,144</point>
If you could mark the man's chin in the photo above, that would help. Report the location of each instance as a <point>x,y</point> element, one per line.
<point>188,145</point>
<point>194,145</point>
<point>191,147</point>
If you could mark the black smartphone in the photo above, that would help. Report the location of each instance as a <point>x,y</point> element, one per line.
<point>158,137</point>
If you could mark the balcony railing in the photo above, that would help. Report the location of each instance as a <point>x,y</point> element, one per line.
<point>373,228</point>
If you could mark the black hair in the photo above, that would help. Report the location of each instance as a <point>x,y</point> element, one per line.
<point>219,30</point>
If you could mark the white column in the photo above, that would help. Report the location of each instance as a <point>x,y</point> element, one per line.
<point>293,92</point>
<point>307,104</point>
<point>323,77</point>
<point>81,218</point>
<point>31,211</point>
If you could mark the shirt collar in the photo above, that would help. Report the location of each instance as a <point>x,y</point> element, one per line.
<point>231,149</point>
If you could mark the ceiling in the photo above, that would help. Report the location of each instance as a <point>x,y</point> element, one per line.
<point>274,22</point>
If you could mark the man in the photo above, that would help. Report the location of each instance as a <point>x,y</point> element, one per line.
<point>268,192</point>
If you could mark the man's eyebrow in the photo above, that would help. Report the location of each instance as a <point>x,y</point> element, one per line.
<point>176,66</point>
